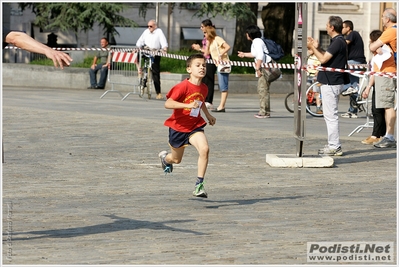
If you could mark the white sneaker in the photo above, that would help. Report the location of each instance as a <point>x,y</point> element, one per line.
<point>349,115</point>
<point>208,105</point>
<point>350,91</point>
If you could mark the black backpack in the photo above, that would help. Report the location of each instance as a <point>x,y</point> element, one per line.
<point>275,50</point>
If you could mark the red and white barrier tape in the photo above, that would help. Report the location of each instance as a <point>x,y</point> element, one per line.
<point>125,57</point>
<point>382,74</point>
<point>131,57</point>
<point>67,48</point>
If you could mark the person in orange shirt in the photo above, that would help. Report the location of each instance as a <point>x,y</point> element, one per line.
<point>385,86</point>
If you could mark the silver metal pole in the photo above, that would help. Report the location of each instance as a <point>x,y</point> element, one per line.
<point>157,13</point>
<point>300,76</point>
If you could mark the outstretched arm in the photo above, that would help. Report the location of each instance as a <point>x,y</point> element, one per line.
<point>24,41</point>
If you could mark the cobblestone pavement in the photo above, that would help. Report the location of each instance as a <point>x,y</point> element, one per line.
<point>82,184</point>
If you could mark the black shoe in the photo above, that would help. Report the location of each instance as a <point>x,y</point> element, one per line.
<point>91,87</point>
<point>99,87</point>
<point>219,110</point>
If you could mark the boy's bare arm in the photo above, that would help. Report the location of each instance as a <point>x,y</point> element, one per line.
<point>210,118</point>
<point>173,104</point>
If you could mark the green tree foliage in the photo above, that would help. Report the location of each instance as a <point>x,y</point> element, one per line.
<point>78,16</point>
<point>279,22</point>
<point>244,13</point>
<point>227,10</point>
<point>209,9</point>
<point>240,41</point>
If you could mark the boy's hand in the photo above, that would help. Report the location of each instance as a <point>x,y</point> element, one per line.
<point>211,119</point>
<point>194,104</point>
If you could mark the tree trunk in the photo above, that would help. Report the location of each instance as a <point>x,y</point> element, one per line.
<point>240,42</point>
<point>279,22</point>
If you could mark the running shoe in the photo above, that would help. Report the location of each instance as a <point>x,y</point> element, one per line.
<point>200,191</point>
<point>349,115</point>
<point>167,168</point>
<point>350,91</point>
<point>259,116</point>
<point>328,151</point>
<point>208,105</point>
<point>385,142</point>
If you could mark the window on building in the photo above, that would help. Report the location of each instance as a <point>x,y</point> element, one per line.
<point>325,40</point>
<point>128,36</point>
<point>190,36</point>
<point>340,7</point>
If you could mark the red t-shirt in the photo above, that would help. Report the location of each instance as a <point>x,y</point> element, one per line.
<point>186,92</point>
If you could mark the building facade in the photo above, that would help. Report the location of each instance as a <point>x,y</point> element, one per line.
<point>182,28</point>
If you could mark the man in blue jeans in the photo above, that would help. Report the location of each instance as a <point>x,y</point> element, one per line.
<point>103,57</point>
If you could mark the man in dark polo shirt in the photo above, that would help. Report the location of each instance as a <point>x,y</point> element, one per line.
<point>332,82</point>
<point>355,56</point>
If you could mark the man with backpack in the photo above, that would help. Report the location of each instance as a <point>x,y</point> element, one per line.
<point>260,52</point>
<point>276,52</point>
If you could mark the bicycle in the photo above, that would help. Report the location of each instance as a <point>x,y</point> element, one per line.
<point>145,77</point>
<point>310,100</point>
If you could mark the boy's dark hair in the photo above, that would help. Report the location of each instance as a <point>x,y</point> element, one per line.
<point>349,24</point>
<point>253,32</point>
<point>374,35</point>
<point>192,57</point>
<point>105,38</point>
<point>207,22</point>
<point>336,22</point>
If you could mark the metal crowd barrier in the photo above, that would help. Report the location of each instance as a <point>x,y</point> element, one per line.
<point>125,61</point>
<point>363,81</point>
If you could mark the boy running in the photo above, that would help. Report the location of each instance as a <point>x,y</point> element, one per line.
<point>186,126</point>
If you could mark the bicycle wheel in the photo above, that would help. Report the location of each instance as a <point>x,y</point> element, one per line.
<point>142,83</point>
<point>149,84</point>
<point>141,90</point>
<point>311,100</point>
<point>289,102</point>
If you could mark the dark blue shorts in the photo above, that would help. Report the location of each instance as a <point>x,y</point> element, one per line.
<point>180,139</point>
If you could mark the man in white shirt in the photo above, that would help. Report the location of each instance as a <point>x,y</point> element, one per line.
<point>154,38</point>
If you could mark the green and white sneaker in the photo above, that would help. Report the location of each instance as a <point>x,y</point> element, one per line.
<point>167,168</point>
<point>200,191</point>
<point>328,151</point>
